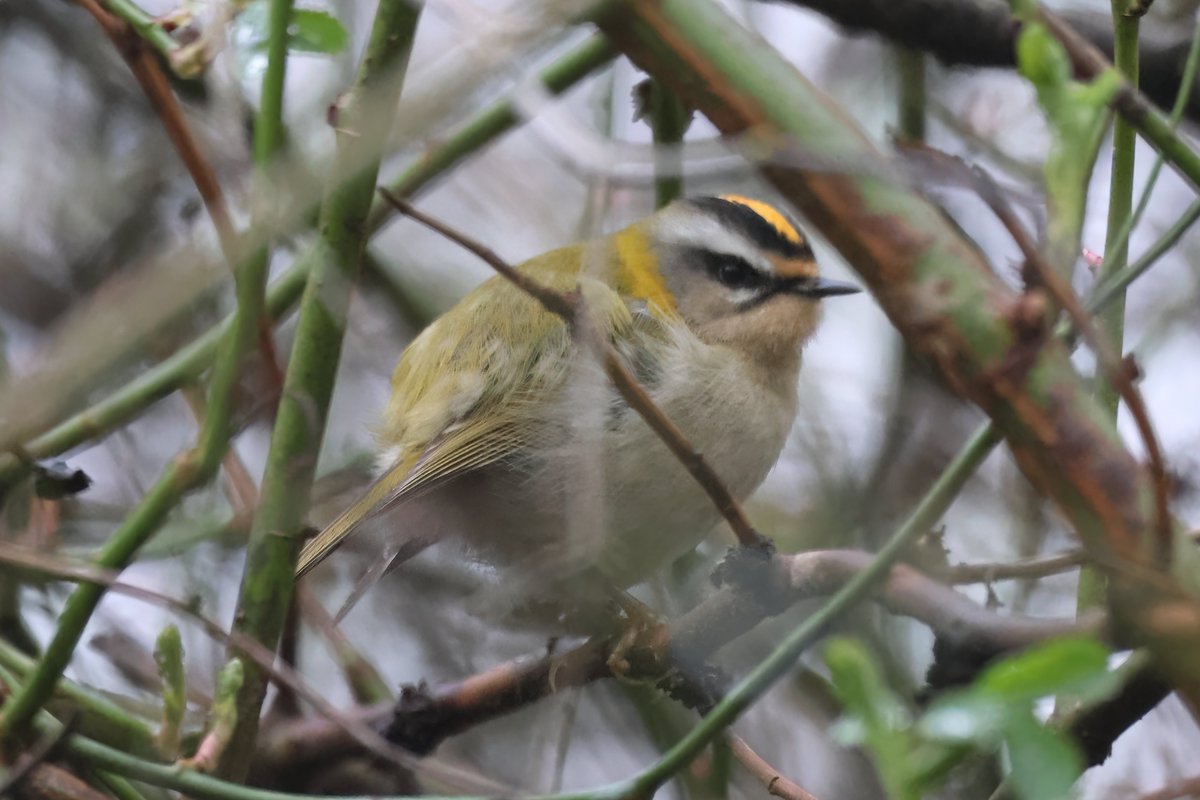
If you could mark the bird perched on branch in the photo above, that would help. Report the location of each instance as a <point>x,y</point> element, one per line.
<point>504,431</point>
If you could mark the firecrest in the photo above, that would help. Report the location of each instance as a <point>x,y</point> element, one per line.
<point>503,432</point>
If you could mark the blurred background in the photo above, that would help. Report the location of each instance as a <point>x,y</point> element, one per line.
<point>94,194</point>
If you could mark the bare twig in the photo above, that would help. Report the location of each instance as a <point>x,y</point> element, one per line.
<point>278,672</point>
<point>569,308</point>
<point>1025,569</point>
<point>776,784</point>
<point>366,684</point>
<point>1038,567</point>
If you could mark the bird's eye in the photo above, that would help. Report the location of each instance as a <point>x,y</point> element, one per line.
<point>736,273</point>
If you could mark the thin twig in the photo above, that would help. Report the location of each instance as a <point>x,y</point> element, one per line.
<point>365,682</point>
<point>281,674</point>
<point>776,784</point>
<point>569,308</point>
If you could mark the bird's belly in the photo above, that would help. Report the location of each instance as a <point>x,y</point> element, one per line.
<point>622,501</point>
<point>657,511</point>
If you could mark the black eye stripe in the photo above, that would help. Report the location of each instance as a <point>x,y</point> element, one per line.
<point>731,270</point>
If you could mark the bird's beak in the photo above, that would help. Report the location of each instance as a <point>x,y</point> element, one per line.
<point>822,287</point>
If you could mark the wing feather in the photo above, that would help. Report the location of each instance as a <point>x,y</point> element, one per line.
<point>462,390</point>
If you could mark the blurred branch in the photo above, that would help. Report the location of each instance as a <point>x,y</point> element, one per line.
<point>32,759</point>
<point>912,108</point>
<point>364,118</point>
<point>982,33</point>
<point>158,382</point>
<point>990,343</point>
<point>128,38</point>
<point>668,118</point>
<point>154,384</point>
<point>423,719</point>
<point>366,684</point>
<point>195,467</point>
<point>489,124</point>
<point>775,784</point>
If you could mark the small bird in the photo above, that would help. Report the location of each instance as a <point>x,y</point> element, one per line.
<point>502,430</point>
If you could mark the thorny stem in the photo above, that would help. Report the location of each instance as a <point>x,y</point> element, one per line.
<point>268,581</point>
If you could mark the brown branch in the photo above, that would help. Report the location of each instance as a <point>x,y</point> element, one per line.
<point>1117,370</point>
<point>1029,568</point>
<point>569,308</point>
<point>983,33</point>
<point>776,784</point>
<point>52,782</point>
<point>676,656</point>
<point>1037,567</point>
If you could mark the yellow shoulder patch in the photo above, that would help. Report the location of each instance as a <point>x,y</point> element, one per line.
<point>768,212</point>
<point>638,274</point>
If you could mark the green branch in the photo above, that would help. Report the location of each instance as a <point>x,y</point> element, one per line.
<point>1111,322</point>
<point>364,120</point>
<point>145,25</point>
<point>912,104</point>
<point>191,469</point>
<point>186,365</point>
<point>669,119</point>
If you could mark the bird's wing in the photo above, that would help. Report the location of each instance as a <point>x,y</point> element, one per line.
<point>462,392</point>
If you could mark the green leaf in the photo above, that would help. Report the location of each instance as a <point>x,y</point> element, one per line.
<point>1045,764</point>
<point>982,713</point>
<point>876,717</point>
<point>967,716</point>
<point>1070,665</point>
<point>309,31</point>
<point>168,655</point>
<point>316,32</point>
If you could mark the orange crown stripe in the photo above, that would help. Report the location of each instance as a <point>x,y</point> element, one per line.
<point>768,212</point>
